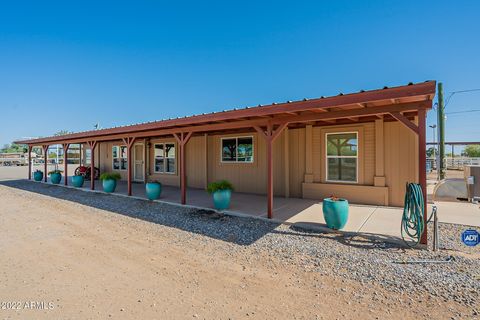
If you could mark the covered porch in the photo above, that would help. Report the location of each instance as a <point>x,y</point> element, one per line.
<point>377,172</point>
<point>377,221</point>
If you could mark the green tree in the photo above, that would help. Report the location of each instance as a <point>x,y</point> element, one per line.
<point>13,148</point>
<point>431,152</point>
<point>472,151</point>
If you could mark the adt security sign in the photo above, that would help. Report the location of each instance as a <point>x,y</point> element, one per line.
<point>470,237</point>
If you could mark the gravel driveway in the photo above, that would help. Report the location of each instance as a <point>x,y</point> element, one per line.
<point>357,258</point>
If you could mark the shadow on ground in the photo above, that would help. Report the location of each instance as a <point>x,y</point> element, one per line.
<point>239,230</point>
<point>351,239</point>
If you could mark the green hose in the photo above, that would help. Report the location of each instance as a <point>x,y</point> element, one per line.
<point>412,220</point>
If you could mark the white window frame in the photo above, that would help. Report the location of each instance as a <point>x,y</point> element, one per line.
<point>154,158</point>
<point>119,157</point>
<point>236,138</point>
<point>344,157</point>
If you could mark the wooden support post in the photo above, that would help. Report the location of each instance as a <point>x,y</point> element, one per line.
<point>270,135</point>
<point>182,140</point>
<point>205,140</point>
<point>287,163</point>
<point>422,164</point>
<point>92,145</point>
<point>129,141</point>
<point>420,131</point>
<point>80,154</point>
<point>65,162</point>
<point>29,162</point>
<point>45,161</point>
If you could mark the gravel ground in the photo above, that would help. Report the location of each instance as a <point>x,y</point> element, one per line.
<point>360,258</point>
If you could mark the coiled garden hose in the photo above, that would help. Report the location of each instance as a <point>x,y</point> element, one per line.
<point>413,224</point>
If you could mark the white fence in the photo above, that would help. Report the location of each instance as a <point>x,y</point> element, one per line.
<point>454,163</point>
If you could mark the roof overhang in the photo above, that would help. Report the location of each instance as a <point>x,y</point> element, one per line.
<point>340,109</point>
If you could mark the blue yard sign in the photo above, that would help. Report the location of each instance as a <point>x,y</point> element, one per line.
<point>470,237</point>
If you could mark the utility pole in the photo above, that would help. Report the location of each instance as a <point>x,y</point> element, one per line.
<point>441,132</point>
<point>434,126</point>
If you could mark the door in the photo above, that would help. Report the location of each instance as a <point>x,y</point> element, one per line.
<point>138,158</point>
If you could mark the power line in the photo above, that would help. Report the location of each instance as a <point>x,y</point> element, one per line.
<point>464,111</point>
<point>458,91</point>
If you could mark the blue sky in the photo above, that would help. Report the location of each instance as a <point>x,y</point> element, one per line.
<point>68,65</point>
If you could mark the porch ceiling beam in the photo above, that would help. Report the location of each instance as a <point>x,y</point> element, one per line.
<point>355,112</point>
<point>404,120</point>
<point>323,110</point>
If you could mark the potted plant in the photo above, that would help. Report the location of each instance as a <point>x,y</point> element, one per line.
<point>78,180</point>
<point>109,181</point>
<point>55,176</point>
<point>153,189</point>
<point>38,175</point>
<point>335,212</point>
<point>222,193</point>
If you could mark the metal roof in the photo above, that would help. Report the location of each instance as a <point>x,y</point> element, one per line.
<point>397,94</point>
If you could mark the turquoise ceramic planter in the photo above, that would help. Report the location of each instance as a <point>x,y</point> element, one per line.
<point>221,199</point>
<point>335,213</point>
<point>56,178</point>
<point>77,181</point>
<point>153,190</point>
<point>38,176</point>
<point>109,185</point>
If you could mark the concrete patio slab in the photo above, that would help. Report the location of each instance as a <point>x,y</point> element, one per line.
<point>383,222</point>
<point>313,215</point>
<point>459,213</point>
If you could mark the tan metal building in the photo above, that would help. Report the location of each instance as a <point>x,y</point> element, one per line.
<point>362,146</point>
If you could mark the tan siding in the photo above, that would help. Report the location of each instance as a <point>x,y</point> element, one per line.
<point>401,160</point>
<point>354,193</point>
<point>369,153</point>
<point>278,166</point>
<point>400,153</point>
<point>317,154</point>
<point>195,152</point>
<point>297,161</point>
<point>366,151</point>
<point>248,177</point>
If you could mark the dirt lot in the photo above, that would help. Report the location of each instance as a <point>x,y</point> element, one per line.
<point>84,262</point>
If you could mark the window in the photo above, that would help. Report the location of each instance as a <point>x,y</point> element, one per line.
<point>239,149</point>
<point>342,156</point>
<point>88,157</point>
<point>165,158</point>
<point>119,158</point>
